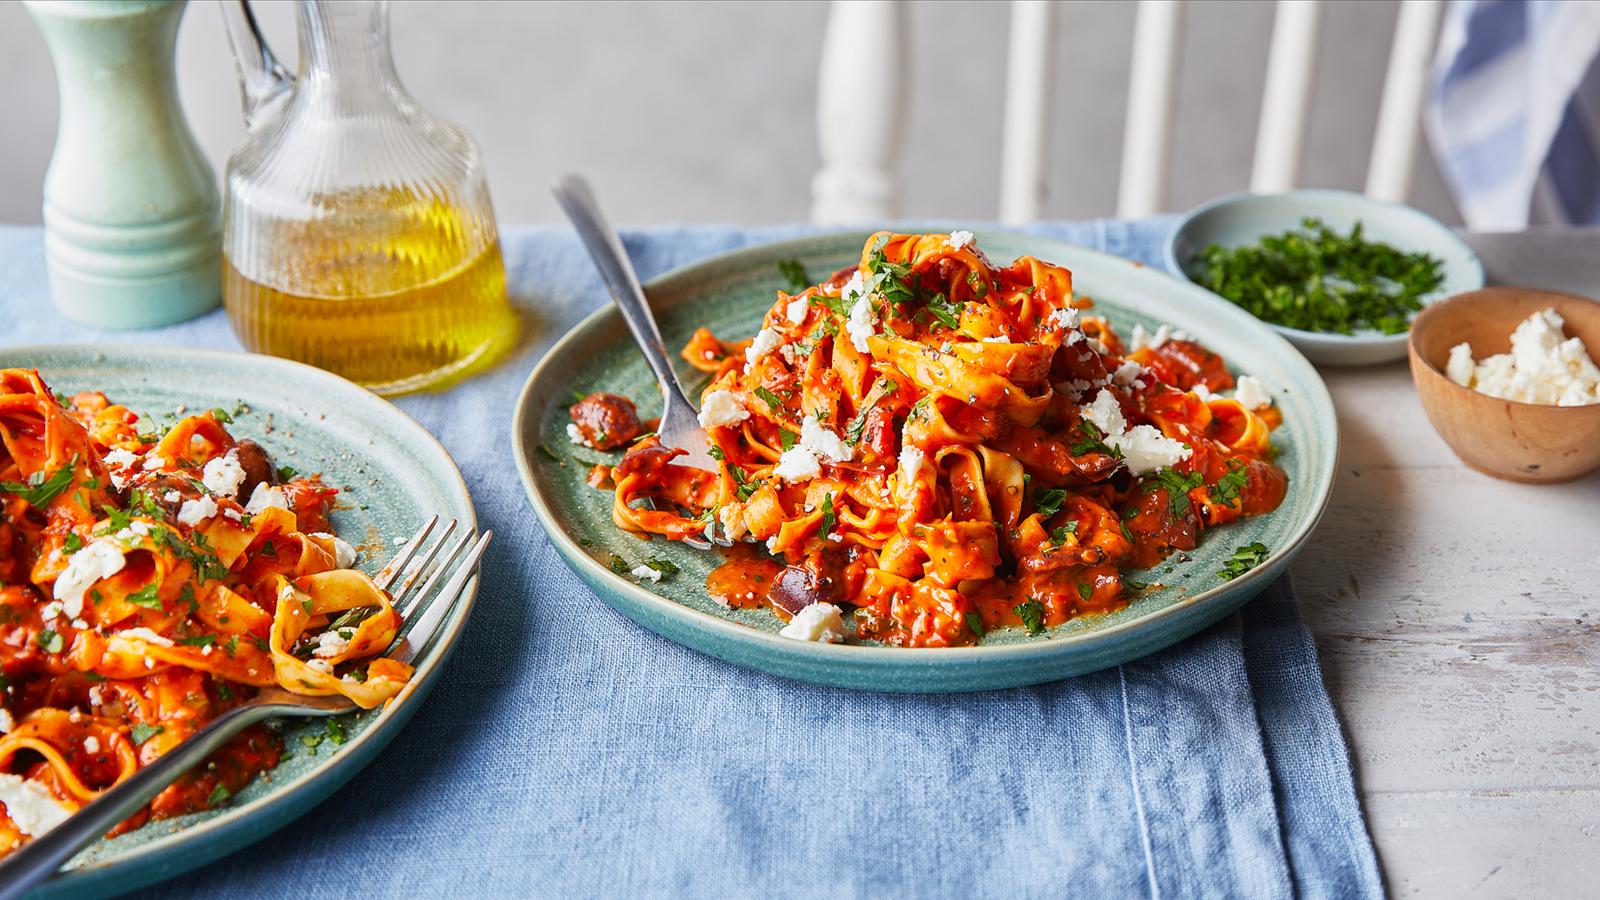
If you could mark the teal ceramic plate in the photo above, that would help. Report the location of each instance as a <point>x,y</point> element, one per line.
<point>392,475</point>
<point>730,294</point>
<point>1245,218</point>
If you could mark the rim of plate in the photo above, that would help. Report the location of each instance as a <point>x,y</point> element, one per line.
<point>225,825</point>
<point>1170,253</point>
<point>1052,646</point>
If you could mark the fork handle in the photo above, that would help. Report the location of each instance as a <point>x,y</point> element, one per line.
<point>39,859</point>
<point>605,248</point>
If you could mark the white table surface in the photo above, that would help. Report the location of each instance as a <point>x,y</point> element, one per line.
<point>1458,620</point>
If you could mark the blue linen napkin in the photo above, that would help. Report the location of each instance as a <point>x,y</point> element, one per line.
<point>567,751</point>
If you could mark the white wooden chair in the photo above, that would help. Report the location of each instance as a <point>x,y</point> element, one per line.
<point>863,84</point>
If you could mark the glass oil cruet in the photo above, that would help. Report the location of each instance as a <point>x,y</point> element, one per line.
<point>357,233</point>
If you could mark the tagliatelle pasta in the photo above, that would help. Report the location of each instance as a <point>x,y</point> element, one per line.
<point>935,446</point>
<point>147,583</point>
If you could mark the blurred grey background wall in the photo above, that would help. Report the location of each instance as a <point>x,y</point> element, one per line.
<point>704,111</point>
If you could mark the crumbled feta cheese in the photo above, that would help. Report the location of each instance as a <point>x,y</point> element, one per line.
<point>50,610</point>
<point>960,240</point>
<point>1105,413</point>
<point>1543,367</point>
<point>859,325</point>
<point>1143,340</point>
<point>330,644</point>
<point>154,463</point>
<point>645,573</point>
<point>195,511</point>
<point>120,458</point>
<point>853,289</point>
<point>1074,337</point>
<point>997,339</point>
<point>91,744</point>
<point>171,496</point>
<point>265,496</point>
<point>1200,390</point>
<point>344,555</point>
<point>822,442</point>
<point>1251,393</point>
<point>320,665</point>
<point>30,806</point>
<point>223,475</point>
<point>797,464</point>
<point>146,635</point>
<point>820,622</point>
<point>1127,374</point>
<point>79,624</point>
<point>911,460</point>
<point>6,722</point>
<point>790,353</point>
<point>731,516</point>
<point>1145,449</point>
<point>101,559</point>
<point>1461,366</point>
<point>795,312</point>
<point>1066,319</point>
<point>575,435</point>
<point>766,340</point>
<point>400,541</point>
<point>722,408</point>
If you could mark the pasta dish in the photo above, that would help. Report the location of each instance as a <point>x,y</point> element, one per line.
<point>149,581</point>
<point>927,446</point>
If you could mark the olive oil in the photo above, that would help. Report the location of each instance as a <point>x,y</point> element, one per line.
<point>394,290</point>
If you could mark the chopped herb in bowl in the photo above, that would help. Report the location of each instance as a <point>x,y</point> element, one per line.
<point>1317,279</point>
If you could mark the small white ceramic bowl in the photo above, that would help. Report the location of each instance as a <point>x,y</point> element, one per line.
<point>1246,218</point>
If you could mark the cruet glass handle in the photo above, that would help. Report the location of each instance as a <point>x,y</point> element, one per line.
<point>262,78</point>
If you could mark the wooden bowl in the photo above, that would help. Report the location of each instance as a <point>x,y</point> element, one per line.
<point>1515,441</point>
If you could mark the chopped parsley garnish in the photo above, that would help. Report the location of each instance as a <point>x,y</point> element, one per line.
<point>311,740</point>
<point>335,731</point>
<point>1243,560</point>
<point>50,640</point>
<point>795,274</point>
<point>919,409</point>
<point>1085,590</point>
<point>787,438</point>
<point>773,400</point>
<point>1178,487</point>
<point>859,424</point>
<point>980,288</point>
<point>219,794</point>
<point>828,518</point>
<point>221,415</point>
<point>1048,503</point>
<point>286,472</point>
<point>974,622</point>
<point>1229,486</point>
<point>40,489</point>
<point>892,280</point>
<point>619,565</point>
<point>198,640</point>
<point>142,732</point>
<point>744,487</point>
<point>1133,584</point>
<point>73,543</point>
<point>147,597</point>
<point>664,566</point>
<point>1093,441</point>
<point>1032,615</point>
<point>1059,535</point>
<point>1317,279</point>
<point>944,311</point>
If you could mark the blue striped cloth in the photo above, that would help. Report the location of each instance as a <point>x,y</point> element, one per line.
<point>568,752</point>
<point>1514,113</point>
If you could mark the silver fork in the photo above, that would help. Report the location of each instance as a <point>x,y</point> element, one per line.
<point>680,422</point>
<point>419,630</point>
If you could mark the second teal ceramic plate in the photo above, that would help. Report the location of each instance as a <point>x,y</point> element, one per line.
<point>730,294</point>
<point>392,475</point>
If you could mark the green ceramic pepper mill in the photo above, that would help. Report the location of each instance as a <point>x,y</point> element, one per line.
<point>130,204</point>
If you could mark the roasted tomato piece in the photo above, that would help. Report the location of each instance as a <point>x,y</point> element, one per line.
<point>606,421</point>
